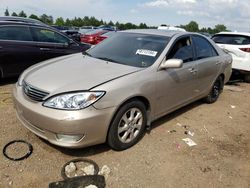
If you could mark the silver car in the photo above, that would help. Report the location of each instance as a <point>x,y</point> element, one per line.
<point>112,92</point>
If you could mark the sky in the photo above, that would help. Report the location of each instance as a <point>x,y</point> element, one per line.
<point>235,14</point>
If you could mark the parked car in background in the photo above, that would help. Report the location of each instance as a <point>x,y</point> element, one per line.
<point>104,36</point>
<point>107,27</point>
<point>91,36</point>
<point>117,88</point>
<point>206,34</point>
<point>238,45</point>
<point>170,28</point>
<point>73,34</point>
<point>23,44</point>
<point>61,28</point>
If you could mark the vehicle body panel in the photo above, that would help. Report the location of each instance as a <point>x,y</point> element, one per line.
<point>165,90</point>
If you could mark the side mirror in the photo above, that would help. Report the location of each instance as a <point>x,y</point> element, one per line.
<point>172,63</point>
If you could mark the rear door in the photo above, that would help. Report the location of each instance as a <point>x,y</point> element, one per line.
<point>17,49</point>
<point>208,63</point>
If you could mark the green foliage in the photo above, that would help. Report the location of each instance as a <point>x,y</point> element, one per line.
<point>192,26</point>
<point>33,16</point>
<point>14,14</point>
<point>219,28</point>
<point>60,21</point>
<point>6,13</point>
<point>46,19</point>
<point>22,14</point>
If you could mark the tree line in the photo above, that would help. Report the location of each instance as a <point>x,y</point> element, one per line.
<point>192,26</point>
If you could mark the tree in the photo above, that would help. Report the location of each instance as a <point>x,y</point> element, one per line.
<point>219,28</point>
<point>46,19</point>
<point>192,26</point>
<point>14,14</point>
<point>33,16</point>
<point>22,14</point>
<point>6,13</point>
<point>60,21</point>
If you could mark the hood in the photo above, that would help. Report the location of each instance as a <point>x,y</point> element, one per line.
<point>77,72</point>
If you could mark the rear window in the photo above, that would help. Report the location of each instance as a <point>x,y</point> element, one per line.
<point>18,33</point>
<point>231,39</point>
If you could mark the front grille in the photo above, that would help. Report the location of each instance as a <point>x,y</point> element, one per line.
<point>34,93</point>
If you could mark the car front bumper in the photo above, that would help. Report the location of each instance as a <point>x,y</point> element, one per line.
<point>73,129</point>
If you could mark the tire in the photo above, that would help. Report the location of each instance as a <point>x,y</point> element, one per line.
<point>215,91</point>
<point>247,78</point>
<point>128,126</point>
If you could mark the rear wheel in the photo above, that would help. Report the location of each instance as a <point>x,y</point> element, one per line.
<point>247,78</point>
<point>215,91</point>
<point>128,126</point>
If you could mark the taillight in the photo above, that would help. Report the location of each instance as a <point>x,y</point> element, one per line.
<point>245,49</point>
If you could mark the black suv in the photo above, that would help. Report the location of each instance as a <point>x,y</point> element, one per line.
<point>24,42</point>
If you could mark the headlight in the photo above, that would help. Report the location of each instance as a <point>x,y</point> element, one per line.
<point>74,101</point>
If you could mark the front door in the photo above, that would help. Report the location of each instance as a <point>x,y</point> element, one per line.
<point>177,86</point>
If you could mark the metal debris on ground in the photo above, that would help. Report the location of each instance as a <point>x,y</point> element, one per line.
<point>189,142</point>
<point>230,117</point>
<point>79,167</point>
<point>89,170</point>
<point>172,131</point>
<point>80,182</point>
<point>70,168</point>
<point>189,133</point>
<point>91,186</point>
<point>232,106</point>
<point>17,150</point>
<point>105,171</point>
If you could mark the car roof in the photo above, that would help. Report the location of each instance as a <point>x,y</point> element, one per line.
<point>21,20</point>
<point>233,33</point>
<point>167,33</point>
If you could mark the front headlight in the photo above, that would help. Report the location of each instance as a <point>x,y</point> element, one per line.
<point>74,101</point>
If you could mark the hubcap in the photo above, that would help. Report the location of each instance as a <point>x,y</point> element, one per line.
<point>130,125</point>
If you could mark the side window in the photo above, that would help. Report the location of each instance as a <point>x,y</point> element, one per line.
<point>19,33</point>
<point>182,49</point>
<point>203,48</point>
<point>45,35</point>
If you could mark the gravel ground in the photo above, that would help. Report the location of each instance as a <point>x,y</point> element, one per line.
<point>221,157</point>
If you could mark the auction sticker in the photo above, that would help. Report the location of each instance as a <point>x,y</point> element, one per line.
<point>146,52</point>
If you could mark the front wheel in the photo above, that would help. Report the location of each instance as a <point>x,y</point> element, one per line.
<point>128,126</point>
<point>215,91</point>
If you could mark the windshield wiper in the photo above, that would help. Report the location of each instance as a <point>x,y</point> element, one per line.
<point>86,53</point>
<point>107,59</point>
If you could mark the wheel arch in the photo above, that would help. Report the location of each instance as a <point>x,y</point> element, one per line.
<point>143,99</point>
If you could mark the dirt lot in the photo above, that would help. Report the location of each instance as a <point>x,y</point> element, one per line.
<point>161,159</point>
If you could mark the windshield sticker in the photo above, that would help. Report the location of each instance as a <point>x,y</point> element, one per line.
<point>146,52</point>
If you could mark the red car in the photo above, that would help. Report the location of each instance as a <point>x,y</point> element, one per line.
<point>92,36</point>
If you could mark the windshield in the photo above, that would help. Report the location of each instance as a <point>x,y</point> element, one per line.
<point>138,50</point>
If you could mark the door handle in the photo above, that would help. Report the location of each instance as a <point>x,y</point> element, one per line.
<point>217,63</point>
<point>1,47</point>
<point>45,49</point>
<point>193,70</point>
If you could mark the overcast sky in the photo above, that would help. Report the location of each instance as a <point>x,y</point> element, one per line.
<point>235,14</point>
